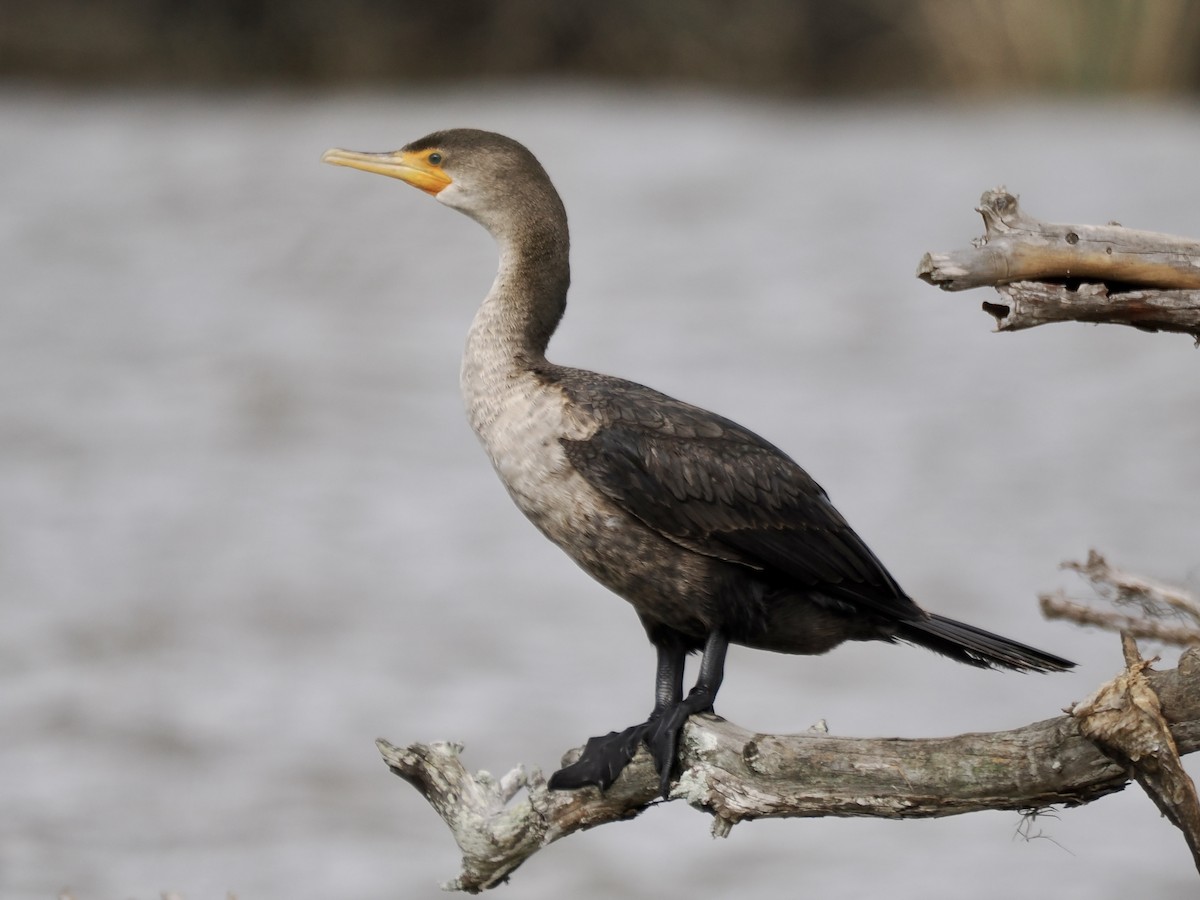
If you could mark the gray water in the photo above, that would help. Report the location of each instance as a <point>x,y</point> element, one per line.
<point>244,529</point>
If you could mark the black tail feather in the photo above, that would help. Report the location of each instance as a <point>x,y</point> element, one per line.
<point>977,647</point>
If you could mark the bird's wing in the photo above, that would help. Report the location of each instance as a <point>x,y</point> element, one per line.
<point>717,488</point>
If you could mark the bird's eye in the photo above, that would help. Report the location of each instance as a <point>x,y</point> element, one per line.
<point>435,159</point>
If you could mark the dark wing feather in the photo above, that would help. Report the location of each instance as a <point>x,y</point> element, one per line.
<point>717,488</point>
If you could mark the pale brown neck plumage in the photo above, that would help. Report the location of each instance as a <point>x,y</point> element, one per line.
<point>514,324</point>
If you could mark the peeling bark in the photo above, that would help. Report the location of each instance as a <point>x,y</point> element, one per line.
<point>1125,719</point>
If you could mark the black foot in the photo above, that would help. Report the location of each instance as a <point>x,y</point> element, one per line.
<point>604,758</point>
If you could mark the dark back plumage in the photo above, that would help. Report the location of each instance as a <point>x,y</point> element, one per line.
<point>719,489</point>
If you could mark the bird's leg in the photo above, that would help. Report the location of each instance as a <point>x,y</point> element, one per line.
<point>663,735</point>
<point>668,678</point>
<point>604,757</point>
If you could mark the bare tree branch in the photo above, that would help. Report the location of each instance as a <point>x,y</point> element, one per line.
<point>1027,304</point>
<point>1088,273</point>
<point>1059,606</point>
<point>1164,613</point>
<point>737,775</point>
<point>1153,598</point>
<point>1018,247</point>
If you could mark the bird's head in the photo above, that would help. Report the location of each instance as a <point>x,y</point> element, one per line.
<point>490,177</point>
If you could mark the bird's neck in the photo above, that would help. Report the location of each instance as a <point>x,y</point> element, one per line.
<point>508,338</point>
<point>526,302</point>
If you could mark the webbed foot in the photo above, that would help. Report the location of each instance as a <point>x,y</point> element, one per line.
<point>603,759</point>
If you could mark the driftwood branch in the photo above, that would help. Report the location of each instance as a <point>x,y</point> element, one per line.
<point>737,775</point>
<point>1046,272</point>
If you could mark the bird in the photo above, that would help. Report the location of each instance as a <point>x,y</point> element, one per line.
<point>713,535</point>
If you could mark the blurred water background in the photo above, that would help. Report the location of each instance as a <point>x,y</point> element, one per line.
<point>245,529</point>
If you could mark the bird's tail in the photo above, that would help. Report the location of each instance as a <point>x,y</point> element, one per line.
<point>977,647</point>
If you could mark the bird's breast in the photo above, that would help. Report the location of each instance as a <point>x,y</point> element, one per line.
<point>520,420</point>
<point>521,417</point>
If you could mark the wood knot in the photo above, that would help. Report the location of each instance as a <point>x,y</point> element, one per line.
<point>750,753</point>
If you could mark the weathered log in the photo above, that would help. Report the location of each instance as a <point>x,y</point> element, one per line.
<point>738,775</point>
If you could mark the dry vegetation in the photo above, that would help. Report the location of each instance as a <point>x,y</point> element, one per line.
<point>806,47</point>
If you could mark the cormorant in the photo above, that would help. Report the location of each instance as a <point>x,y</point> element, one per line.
<point>711,533</point>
